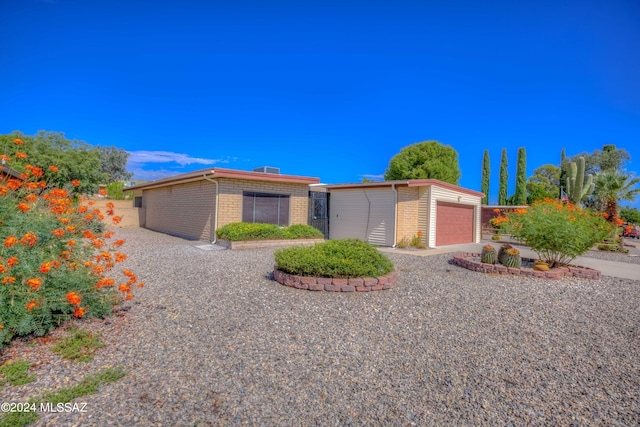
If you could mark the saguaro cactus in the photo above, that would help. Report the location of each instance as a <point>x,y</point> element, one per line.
<point>579,186</point>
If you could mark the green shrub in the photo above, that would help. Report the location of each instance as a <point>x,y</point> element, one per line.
<point>334,258</point>
<point>55,255</point>
<point>240,231</point>
<point>80,345</point>
<point>403,243</point>
<point>557,232</point>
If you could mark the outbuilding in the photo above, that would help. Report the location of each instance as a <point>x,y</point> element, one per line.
<point>385,213</point>
<point>193,205</point>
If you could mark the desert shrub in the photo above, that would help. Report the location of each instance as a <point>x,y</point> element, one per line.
<point>556,231</point>
<point>403,243</point>
<point>334,258</point>
<point>54,255</point>
<point>303,231</point>
<point>240,231</point>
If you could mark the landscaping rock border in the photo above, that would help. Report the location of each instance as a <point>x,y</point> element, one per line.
<point>360,284</point>
<point>471,261</point>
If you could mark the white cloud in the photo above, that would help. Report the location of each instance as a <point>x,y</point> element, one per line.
<point>142,157</point>
<point>176,163</point>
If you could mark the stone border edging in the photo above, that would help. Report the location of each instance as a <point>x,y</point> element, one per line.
<point>462,259</point>
<point>360,284</point>
<point>256,244</point>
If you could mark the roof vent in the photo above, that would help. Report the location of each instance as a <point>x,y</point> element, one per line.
<point>267,169</point>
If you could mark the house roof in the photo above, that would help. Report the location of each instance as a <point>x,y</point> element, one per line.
<point>407,183</point>
<point>225,173</point>
<point>10,171</point>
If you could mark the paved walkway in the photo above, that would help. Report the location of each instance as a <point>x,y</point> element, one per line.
<point>622,270</point>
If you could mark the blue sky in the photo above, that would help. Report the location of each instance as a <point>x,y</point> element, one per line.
<point>329,89</point>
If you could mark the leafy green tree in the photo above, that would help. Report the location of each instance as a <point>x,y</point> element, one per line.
<point>76,161</point>
<point>520,196</point>
<point>425,160</point>
<point>612,187</point>
<point>609,158</point>
<point>486,176</point>
<point>630,215</point>
<point>504,179</point>
<point>544,183</point>
<point>113,163</point>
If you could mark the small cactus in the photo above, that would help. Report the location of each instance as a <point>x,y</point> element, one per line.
<point>488,255</point>
<point>511,258</point>
<point>502,250</point>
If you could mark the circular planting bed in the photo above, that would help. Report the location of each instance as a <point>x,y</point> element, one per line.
<point>472,261</point>
<point>361,284</point>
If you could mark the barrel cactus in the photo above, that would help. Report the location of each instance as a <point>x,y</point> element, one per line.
<point>511,258</point>
<point>502,250</point>
<point>489,254</point>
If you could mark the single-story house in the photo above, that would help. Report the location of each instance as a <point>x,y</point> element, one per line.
<point>384,213</point>
<point>194,204</point>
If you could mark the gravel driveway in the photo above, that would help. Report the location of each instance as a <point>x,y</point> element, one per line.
<point>211,340</point>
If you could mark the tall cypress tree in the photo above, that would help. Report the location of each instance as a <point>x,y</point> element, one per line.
<point>486,174</point>
<point>504,179</point>
<point>520,197</point>
<point>564,164</point>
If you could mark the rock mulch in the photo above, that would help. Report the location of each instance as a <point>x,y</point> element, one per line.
<point>212,340</point>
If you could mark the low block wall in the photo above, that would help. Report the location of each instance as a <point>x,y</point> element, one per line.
<point>366,284</point>
<point>256,244</point>
<point>471,261</point>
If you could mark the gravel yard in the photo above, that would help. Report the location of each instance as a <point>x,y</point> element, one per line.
<point>212,340</point>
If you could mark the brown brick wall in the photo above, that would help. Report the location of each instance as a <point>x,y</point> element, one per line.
<point>408,210</point>
<point>184,210</point>
<point>188,209</point>
<point>230,199</point>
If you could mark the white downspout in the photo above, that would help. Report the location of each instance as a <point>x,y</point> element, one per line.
<point>395,215</point>
<point>215,215</point>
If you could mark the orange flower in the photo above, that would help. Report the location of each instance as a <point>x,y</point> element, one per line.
<point>35,171</point>
<point>108,234</point>
<point>98,243</point>
<point>91,203</point>
<point>12,261</point>
<point>82,209</point>
<point>116,219</point>
<point>71,242</point>
<point>64,220</point>
<point>14,184</point>
<point>24,207</point>
<point>419,233</point>
<point>75,183</point>
<point>87,234</point>
<point>98,269</point>
<point>3,268</point>
<point>140,285</point>
<point>58,232</point>
<point>128,273</point>
<point>10,241</point>
<point>3,190</point>
<point>118,243</point>
<point>29,239</point>
<point>34,283</point>
<point>102,192</point>
<point>74,299</point>
<point>21,155</point>
<point>70,228</point>
<point>31,305</point>
<point>110,205</point>
<point>18,141</point>
<point>105,283</point>
<point>88,217</point>
<point>79,312</point>
<point>129,297</point>
<point>120,257</point>
<point>54,168</point>
<point>124,288</point>
<point>45,267</point>
<point>31,198</point>
<point>8,279</point>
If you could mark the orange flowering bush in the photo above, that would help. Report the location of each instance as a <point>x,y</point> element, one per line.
<point>558,232</point>
<point>56,256</point>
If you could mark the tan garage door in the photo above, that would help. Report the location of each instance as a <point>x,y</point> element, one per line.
<point>454,224</point>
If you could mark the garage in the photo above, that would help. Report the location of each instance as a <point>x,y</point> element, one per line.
<point>454,223</point>
<point>391,213</point>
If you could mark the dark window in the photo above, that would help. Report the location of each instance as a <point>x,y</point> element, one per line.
<point>137,202</point>
<point>265,207</point>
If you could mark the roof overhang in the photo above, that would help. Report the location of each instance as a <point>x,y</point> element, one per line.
<point>406,183</point>
<point>224,173</point>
